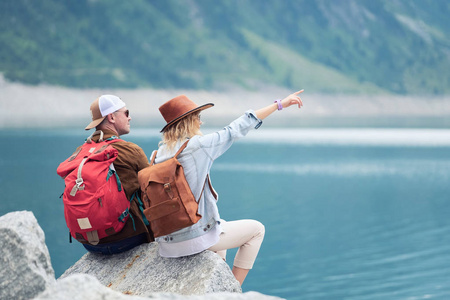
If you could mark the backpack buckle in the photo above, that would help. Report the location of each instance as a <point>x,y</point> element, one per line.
<point>168,189</point>
<point>77,186</point>
<point>79,182</point>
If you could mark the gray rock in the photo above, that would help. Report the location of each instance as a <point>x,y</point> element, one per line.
<point>82,286</point>
<point>141,271</point>
<point>26,268</point>
<point>26,271</point>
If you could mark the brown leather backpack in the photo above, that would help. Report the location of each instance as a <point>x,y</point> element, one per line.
<point>169,204</point>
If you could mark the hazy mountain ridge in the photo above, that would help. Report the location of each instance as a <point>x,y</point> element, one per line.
<point>331,46</point>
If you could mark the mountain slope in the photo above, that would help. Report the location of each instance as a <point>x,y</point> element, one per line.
<point>337,46</point>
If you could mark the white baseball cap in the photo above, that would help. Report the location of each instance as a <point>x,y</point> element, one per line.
<point>103,106</point>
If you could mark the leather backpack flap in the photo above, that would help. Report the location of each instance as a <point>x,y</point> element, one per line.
<point>161,195</point>
<point>161,173</point>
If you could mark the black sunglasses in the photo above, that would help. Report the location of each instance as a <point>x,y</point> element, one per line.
<point>127,112</point>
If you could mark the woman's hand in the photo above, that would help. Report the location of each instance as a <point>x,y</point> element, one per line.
<point>292,99</point>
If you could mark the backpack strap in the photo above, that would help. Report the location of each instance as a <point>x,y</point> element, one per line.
<point>93,237</point>
<point>204,184</point>
<point>211,188</point>
<point>181,148</point>
<point>112,171</point>
<point>140,205</point>
<point>79,182</point>
<point>152,161</point>
<point>111,139</point>
<point>89,139</point>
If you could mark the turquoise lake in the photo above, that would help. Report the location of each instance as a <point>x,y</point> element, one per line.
<point>349,213</point>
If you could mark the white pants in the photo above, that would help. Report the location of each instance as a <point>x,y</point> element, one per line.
<point>245,234</point>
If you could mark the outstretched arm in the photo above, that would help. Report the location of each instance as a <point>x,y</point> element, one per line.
<point>292,99</point>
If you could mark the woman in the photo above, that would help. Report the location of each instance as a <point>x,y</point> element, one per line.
<point>210,232</point>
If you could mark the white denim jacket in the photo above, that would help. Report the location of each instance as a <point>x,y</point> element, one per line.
<point>197,159</point>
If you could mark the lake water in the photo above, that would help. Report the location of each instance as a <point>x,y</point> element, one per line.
<point>349,213</point>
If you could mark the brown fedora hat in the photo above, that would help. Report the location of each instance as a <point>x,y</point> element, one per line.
<point>179,107</point>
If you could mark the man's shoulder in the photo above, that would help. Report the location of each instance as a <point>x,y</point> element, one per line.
<point>125,145</point>
<point>130,153</point>
<point>121,141</point>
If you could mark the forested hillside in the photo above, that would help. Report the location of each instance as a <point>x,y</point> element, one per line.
<point>328,46</point>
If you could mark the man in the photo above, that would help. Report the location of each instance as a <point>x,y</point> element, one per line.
<point>111,116</point>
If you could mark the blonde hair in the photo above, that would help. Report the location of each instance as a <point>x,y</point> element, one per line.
<point>181,130</point>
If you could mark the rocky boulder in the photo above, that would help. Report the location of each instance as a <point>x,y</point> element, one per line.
<point>141,271</point>
<point>26,271</point>
<point>26,268</point>
<point>83,286</point>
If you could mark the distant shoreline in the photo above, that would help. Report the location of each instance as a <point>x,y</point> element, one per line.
<point>43,106</point>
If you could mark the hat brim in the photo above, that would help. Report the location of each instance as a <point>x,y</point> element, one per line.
<point>94,123</point>
<point>200,108</point>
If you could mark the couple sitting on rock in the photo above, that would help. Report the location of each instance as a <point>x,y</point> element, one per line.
<point>111,116</point>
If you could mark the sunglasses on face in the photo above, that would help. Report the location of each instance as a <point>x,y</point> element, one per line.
<point>127,112</point>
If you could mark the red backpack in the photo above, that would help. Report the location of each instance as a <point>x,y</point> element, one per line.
<point>95,205</point>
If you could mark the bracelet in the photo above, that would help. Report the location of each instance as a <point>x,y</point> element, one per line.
<point>278,102</point>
